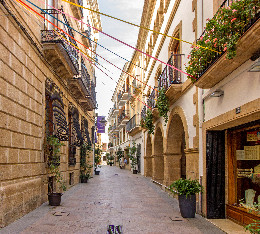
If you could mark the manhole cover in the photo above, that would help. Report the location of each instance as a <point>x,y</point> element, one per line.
<point>176,219</point>
<point>113,229</point>
<point>61,213</point>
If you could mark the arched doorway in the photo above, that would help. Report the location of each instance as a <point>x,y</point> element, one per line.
<point>175,158</point>
<point>158,159</point>
<point>148,169</point>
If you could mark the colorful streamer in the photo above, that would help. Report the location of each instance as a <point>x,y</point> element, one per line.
<point>117,40</point>
<point>72,38</point>
<point>139,26</point>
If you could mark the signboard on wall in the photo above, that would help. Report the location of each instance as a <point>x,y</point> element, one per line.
<point>101,124</point>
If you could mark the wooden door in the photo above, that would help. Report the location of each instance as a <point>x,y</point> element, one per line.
<point>215,164</point>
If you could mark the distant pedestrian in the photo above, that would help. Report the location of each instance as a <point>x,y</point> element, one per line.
<point>125,161</point>
<point>120,163</point>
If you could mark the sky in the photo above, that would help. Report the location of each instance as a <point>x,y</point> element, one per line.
<point>130,11</point>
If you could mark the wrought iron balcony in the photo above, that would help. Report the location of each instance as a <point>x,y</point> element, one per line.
<point>169,75</point>
<point>119,96</point>
<point>123,118</point>
<point>219,67</point>
<point>143,113</point>
<point>151,102</point>
<point>62,56</point>
<point>115,111</point>
<point>82,88</point>
<point>86,38</point>
<point>133,125</point>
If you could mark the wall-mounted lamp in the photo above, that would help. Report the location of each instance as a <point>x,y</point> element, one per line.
<point>255,67</point>
<point>217,93</point>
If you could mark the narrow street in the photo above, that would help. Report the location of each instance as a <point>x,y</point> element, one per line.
<point>114,197</point>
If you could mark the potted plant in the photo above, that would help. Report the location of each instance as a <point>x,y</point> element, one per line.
<point>163,105</point>
<point>253,227</point>
<point>186,190</point>
<point>85,164</point>
<point>120,154</point>
<point>133,158</point>
<point>97,160</point>
<point>52,150</point>
<point>148,122</point>
<point>110,160</point>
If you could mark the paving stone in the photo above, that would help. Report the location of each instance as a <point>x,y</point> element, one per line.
<point>114,197</point>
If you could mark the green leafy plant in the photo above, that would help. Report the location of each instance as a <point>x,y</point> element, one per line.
<point>85,163</point>
<point>253,227</point>
<point>119,153</point>
<point>148,122</point>
<point>97,159</point>
<point>163,105</point>
<point>132,155</point>
<point>186,187</point>
<point>53,150</point>
<point>221,34</point>
<point>110,159</point>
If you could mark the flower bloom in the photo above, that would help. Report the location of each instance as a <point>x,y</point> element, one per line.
<point>225,48</point>
<point>207,41</point>
<point>215,45</point>
<point>215,39</point>
<point>233,19</point>
<point>201,37</point>
<point>234,10</point>
<point>188,56</point>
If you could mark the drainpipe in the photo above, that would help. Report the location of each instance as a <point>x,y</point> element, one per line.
<point>201,120</point>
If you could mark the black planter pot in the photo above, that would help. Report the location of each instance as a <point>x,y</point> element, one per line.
<point>110,164</point>
<point>84,180</point>
<point>187,205</point>
<point>97,172</point>
<point>134,171</point>
<point>54,199</point>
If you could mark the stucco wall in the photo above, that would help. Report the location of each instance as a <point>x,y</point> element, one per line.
<point>240,87</point>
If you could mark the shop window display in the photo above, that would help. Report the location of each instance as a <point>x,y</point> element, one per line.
<point>244,168</point>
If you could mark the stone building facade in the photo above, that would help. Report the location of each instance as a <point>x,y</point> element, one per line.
<point>47,87</point>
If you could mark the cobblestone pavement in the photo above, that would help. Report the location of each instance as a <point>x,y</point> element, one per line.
<point>114,197</point>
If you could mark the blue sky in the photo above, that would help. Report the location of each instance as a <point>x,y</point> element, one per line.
<point>127,10</point>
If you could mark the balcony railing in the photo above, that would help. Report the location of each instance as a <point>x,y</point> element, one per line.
<point>49,35</point>
<point>143,113</point>
<point>133,123</point>
<point>169,75</point>
<point>85,76</point>
<point>151,102</point>
<point>93,94</point>
<point>123,116</point>
<point>249,21</point>
<point>119,96</point>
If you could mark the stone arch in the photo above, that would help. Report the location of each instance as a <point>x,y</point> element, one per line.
<point>177,141</point>
<point>158,159</point>
<point>148,166</point>
<point>178,111</point>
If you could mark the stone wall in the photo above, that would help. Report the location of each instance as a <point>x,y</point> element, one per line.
<point>23,174</point>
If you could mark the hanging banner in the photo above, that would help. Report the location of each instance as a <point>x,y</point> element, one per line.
<point>101,124</point>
